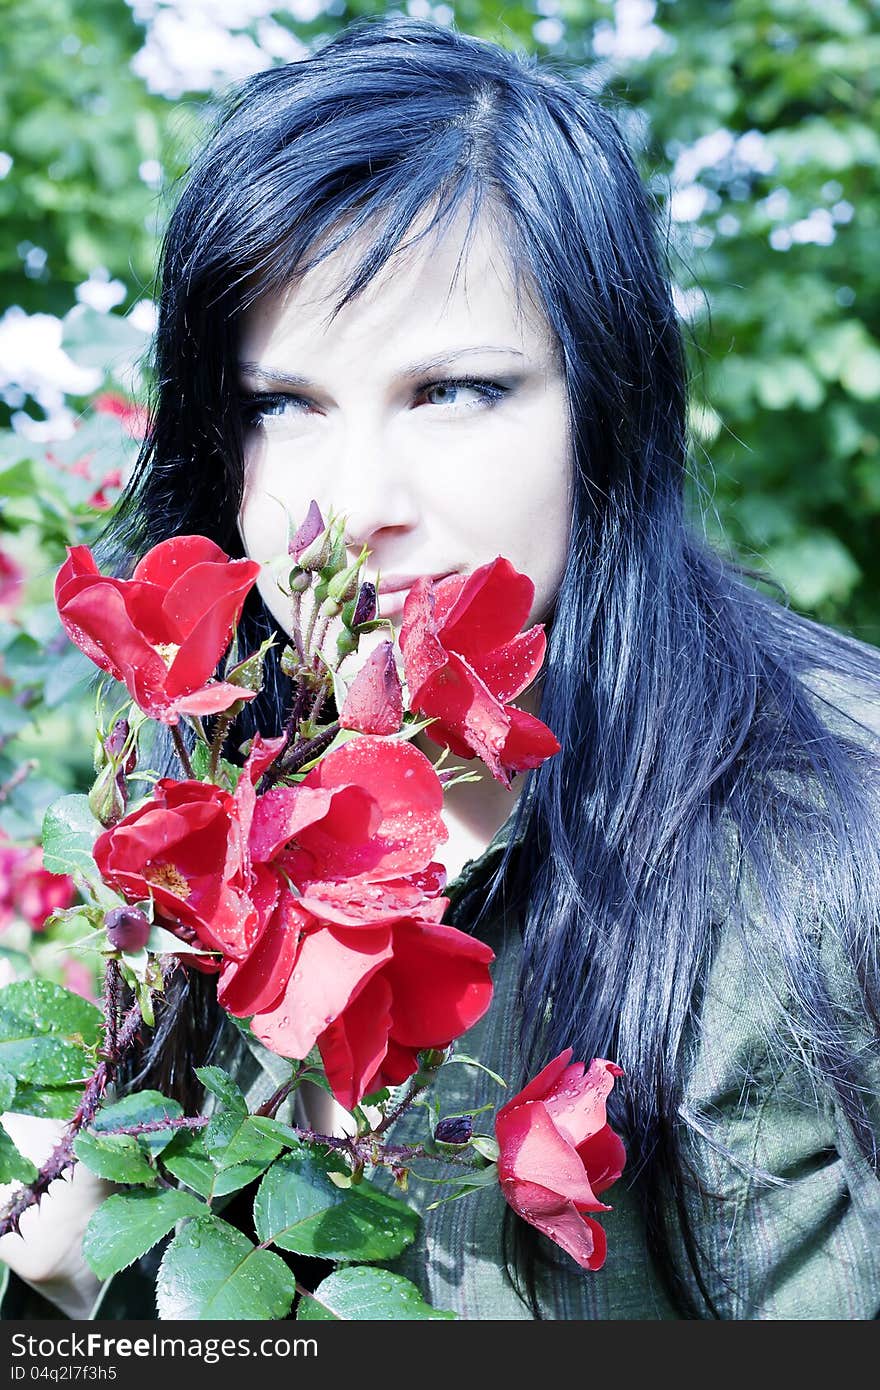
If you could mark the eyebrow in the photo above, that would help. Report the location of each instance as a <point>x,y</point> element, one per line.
<point>269,375</point>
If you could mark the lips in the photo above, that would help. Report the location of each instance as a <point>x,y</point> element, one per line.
<point>393,590</point>
<point>398,583</point>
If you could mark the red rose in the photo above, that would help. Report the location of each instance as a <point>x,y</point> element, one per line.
<point>163,631</point>
<point>558,1152</point>
<point>464,658</point>
<point>182,848</point>
<point>322,899</point>
<point>29,892</point>
<point>373,996</point>
<point>352,955</point>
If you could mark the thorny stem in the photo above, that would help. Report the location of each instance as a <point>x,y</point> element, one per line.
<point>112,980</point>
<point>182,752</point>
<point>296,626</point>
<point>270,1107</point>
<point>310,631</point>
<point>303,753</point>
<point>319,637</point>
<point>223,725</point>
<point>116,1044</point>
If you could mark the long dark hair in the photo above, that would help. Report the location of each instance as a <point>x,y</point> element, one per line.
<point>699,757</point>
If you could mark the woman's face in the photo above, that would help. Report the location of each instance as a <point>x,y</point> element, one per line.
<point>431,412</point>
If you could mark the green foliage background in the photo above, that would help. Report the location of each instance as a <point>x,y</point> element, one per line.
<point>762,114</point>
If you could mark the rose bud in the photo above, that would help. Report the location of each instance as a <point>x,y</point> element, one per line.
<point>127,929</point>
<point>114,745</point>
<point>108,797</point>
<point>308,531</point>
<point>374,703</point>
<point>365,607</point>
<point>455,1129</point>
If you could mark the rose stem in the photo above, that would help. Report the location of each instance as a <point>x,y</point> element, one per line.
<point>62,1156</point>
<point>182,752</point>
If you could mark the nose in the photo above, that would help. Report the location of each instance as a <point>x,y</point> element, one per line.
<point>376,493</point>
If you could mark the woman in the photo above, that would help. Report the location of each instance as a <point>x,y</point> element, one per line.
<point>417,277</point>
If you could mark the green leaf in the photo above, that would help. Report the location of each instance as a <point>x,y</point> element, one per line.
<point>363,1294</point>
<point>129,1224</point>
<point>116,1157</point>
<point>187,1158</point>
<point>69,832</point>
<point>7,1090</point>
<point>212,1271</point>
<point>14,1167</point>
<point>143,1107</point>
<point>230,1139</point>
<point>227,775</point>
<point>221,1085</point>
<point>44,1031</point>
<point>299,1208</point>
<point>237,1140</point>
<point>47,1102</point>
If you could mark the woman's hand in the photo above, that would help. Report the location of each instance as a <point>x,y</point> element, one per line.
<point>48,1253</point>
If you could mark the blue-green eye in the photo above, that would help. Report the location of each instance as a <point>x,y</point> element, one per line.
<point>256,407</point>
<point>467,392</point>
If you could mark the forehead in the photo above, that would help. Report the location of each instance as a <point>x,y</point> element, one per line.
<point>447,286</point>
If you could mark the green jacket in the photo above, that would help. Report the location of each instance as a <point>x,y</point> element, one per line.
<point>791,1231</point>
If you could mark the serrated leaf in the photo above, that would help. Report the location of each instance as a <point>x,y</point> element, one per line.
<point>211,1271</point>
<point>14,1167</point>
<point>362,1294</point>
<point>240,1141</point>
<point>221,1085</point>
<point>69,832</point>
<point>44,1031</point>
<point>142,1107</point>
<point>129,1224</point>
<point>299,1208</point>
<point>116,1157</point>
<point>187,1158</point>
<point>276,1129</point>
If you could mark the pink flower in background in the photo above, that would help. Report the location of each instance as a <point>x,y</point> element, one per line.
<point>11,583</point>
<point>77,977</point>
<point>28,892</point>
<point>133,418</point>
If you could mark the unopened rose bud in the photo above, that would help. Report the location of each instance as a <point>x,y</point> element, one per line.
<point>345,585</point>
<point>374,703</point>
<point>109,749</point>
<point>115,742</point>
<point>346,643</point>
<point>107,799</point>
<point>299,581</point>
<point>455,1129</point>
<point>308,531</point>
<point>365,607</point>
<point>127,929</point>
